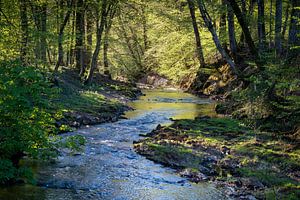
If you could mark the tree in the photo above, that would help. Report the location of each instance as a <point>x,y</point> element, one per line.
<point>243,23</point>
<point>261,28</point>
<point>208,22</point>
<point>278,25</point>
<point>43,32</point>
<point>105,8</point>
<point>61,35</point>
<point>90,30</point>
<point>24,31</point>
<point>107,28</point>
<point>80,37</point>
<point>196,32</point>
<point>294,32</point>
<point>270,24</point>
<point>231,33</point>
<point>285,21</point>
<point>222,25</point>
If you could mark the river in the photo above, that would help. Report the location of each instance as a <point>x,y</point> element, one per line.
<point>108,168</point>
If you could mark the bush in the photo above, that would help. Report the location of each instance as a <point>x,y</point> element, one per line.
<point>25,123</point>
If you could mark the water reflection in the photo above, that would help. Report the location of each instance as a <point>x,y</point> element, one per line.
<point>184,105</point>
<point>108,168</point>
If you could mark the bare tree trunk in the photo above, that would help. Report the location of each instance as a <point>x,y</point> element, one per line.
<point>80,37</point>
<point>278,25</point>
<point>60,60</point>
<point>71,47</point>
<point>222,26</point>
<point>145,35</point>
<point>261,24</point>
<point>43,43</point>
<point>209,25</point>
<point>270,24</point>
<point>231,33</point>
<point>100,29</point>
<point>242,38</point>
<point>285,21</point>
<point>197,34</point>
<point>242,21</point>
<point>89,32</point>
<point>294,32</point>
<point>36,14</point>
<point>105,52</point>
<point>24,32</point>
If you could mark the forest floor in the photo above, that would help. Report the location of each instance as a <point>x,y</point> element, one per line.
<point>247,163</point>
<point>79,104</point>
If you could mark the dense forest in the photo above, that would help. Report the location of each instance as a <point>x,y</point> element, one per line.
<point>61,60</point>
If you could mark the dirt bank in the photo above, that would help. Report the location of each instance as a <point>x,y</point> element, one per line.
<point>102,101</point>
<point>247,163</point>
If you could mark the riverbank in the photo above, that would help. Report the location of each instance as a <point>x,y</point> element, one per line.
<point>106,167</point>
<point>249,164</point>
<point>103,101</point>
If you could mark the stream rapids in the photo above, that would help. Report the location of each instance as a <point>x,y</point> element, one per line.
<point>108,167</point>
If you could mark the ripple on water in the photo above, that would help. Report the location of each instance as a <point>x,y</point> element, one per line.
<point>109,168</point>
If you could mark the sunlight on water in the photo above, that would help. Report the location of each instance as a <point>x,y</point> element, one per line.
<point>108,168</point>
<point>184,105</point>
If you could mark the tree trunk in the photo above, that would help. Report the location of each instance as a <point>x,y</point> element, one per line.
<point>270,24</point>
<point>294,32</point>
<point>278,25</point>
<point>61,37</point>
<point>100,29</point>
<point>43,42</point>
<point>285,21</point>
<point>24,32</point>
<point>108,25</point>
<point>261,24</point>
<point>209,25</point>
<point>36,14</point>
<point>71,47</point>
<point>222,27</point>
<point>197,34</point>
<point>242,21</point>
<point>145,35</point>
<point>89,30</point>
<point>79,36</point>
<point>244,10</point>
<point>231,33</point>
<point>105,52</point>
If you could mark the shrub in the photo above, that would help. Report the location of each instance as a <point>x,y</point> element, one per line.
<point>25,123</point>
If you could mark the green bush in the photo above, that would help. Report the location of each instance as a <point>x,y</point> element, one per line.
<point>25,123</point>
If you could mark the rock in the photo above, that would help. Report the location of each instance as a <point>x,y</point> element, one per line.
<point>206,170</point>
<point>193,175</point>
<point>252,183</point>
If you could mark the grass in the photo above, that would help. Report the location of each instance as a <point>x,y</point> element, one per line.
<point>104,99</point>
<point>239,152</point>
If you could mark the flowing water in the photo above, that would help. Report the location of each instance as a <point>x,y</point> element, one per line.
<point>108,168</point>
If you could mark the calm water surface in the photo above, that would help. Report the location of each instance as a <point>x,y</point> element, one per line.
<point>108,168</point>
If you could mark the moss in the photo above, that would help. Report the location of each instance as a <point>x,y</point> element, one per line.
<point>232,150</point>
<point>80,104</point>
<point>175,156</point>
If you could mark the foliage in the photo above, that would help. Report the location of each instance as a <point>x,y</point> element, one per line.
<point>269,102</point>
<point>25,123</point>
